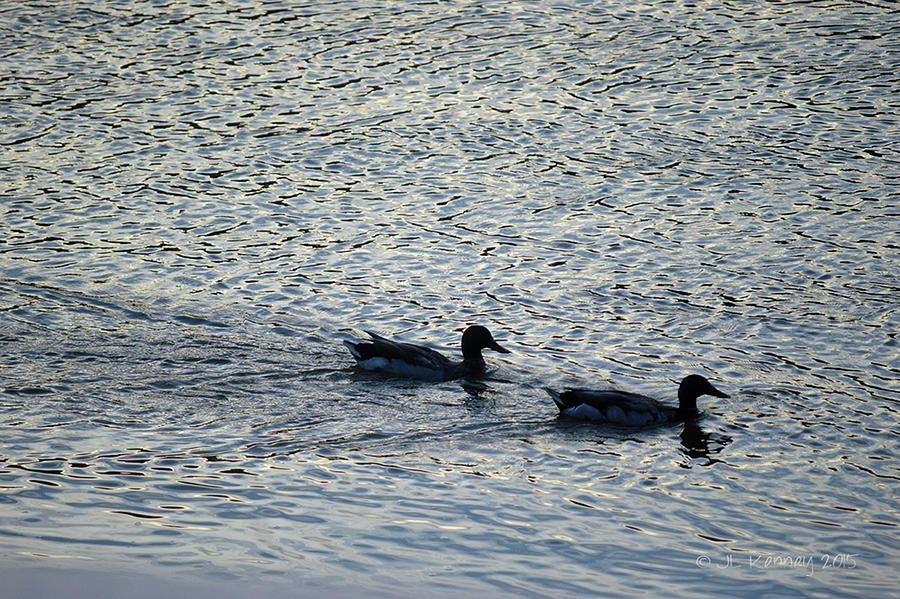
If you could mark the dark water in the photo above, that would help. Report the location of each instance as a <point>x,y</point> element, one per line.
<point>200,202</point>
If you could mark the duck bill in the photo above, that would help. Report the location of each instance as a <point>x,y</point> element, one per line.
<point>713,391</point>
<point>497,347</point>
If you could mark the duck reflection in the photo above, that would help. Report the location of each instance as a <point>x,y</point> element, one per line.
<point>698,443</point>
<point>477,391</point>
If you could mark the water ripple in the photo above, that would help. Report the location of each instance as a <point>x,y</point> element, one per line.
<point>199,205</point>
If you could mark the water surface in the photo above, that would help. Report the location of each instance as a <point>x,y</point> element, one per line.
<point>199,203</point>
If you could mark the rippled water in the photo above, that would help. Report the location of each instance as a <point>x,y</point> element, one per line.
<point>200,202</point>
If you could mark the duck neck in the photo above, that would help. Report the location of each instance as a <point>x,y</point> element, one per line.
<point>687,404</point>
<point>473,359</point>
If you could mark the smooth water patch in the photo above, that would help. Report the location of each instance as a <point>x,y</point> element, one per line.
<point>287,464</point>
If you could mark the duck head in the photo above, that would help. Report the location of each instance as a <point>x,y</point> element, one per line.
<point>692,387</point>
<point>476,338</point>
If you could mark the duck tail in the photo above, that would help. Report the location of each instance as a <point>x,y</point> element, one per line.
<point>557,399</point>
<point>353,349</point>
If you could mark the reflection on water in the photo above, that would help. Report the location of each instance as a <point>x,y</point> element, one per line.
<point>699,444</point>
<point>199,205</point>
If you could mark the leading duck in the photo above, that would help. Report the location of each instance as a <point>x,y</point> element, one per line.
<point>630,409</point>
<point>416,361</point>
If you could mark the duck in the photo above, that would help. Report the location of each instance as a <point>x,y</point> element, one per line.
<point>631,409</point>
<point>418,362</point>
